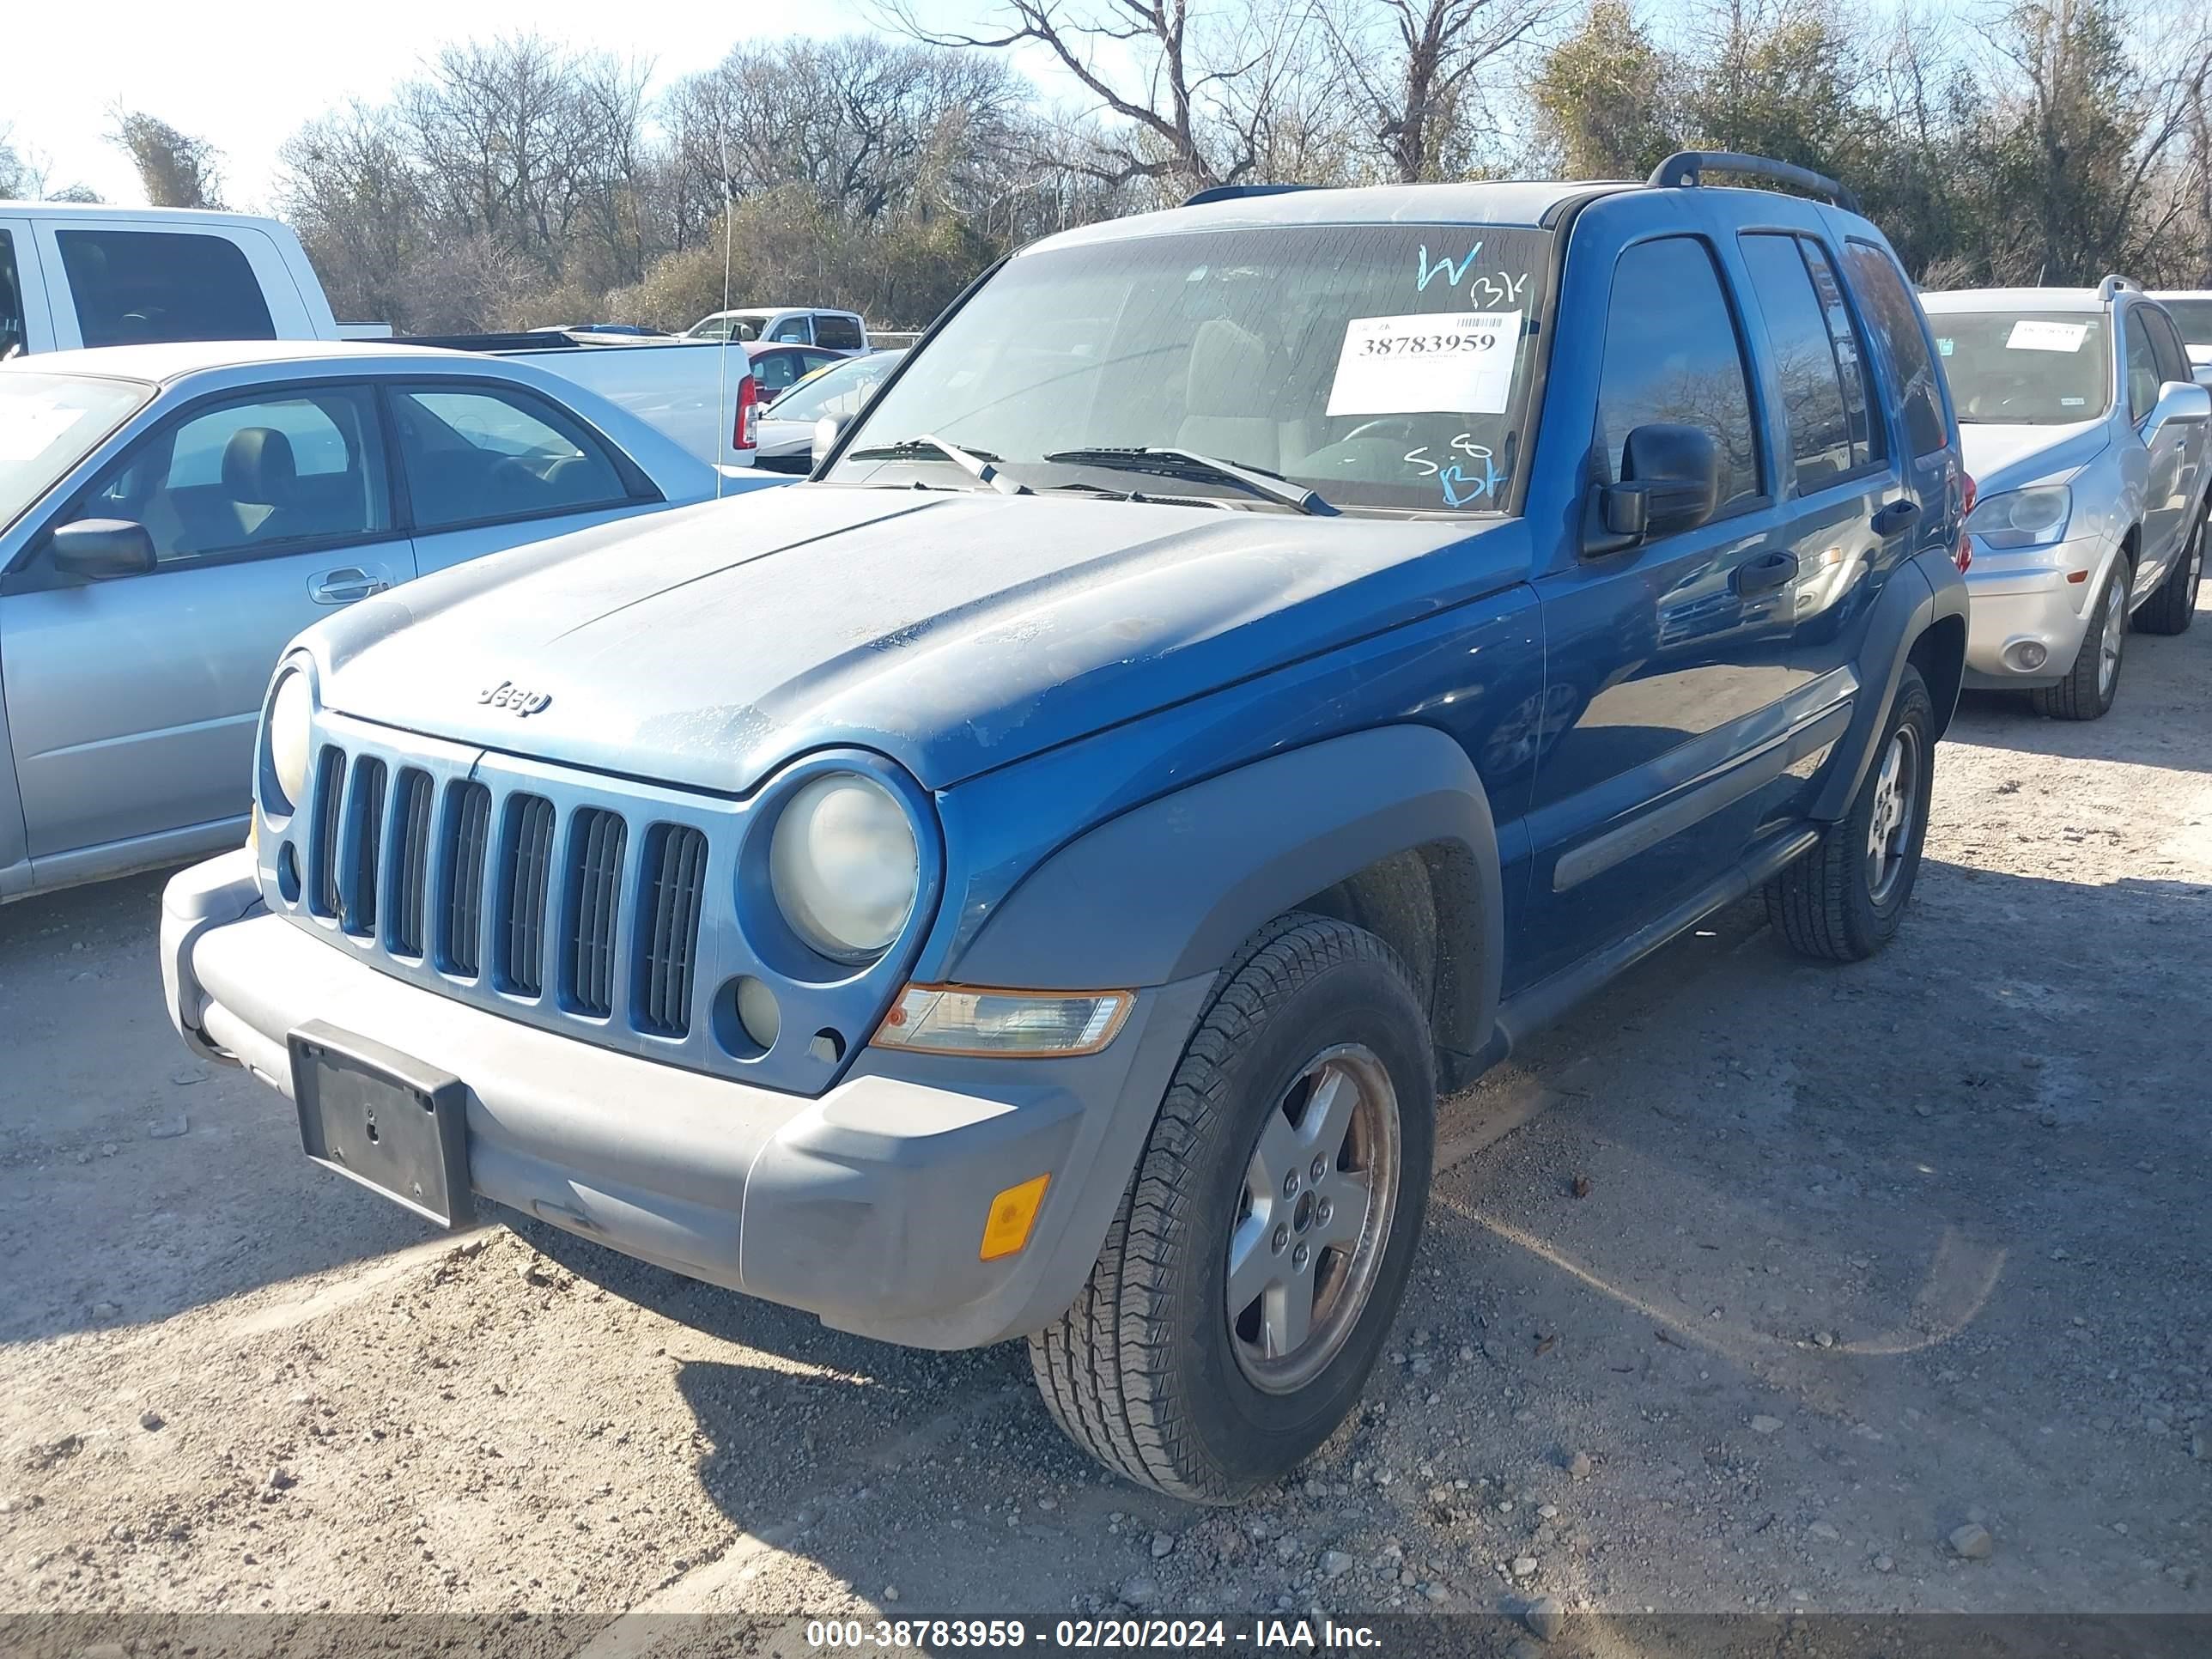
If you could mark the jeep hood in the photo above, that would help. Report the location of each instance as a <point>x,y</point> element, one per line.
<point>2002,457</point>
<point>955,632</point>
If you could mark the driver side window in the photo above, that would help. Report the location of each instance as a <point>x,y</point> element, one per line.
<point>259,476</point>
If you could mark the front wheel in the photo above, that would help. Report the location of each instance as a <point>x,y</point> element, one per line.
<point>1843,900</point>
<point>1249,1279</point>
<point>2090,685</point>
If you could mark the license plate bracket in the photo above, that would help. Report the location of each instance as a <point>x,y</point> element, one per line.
<point>384,1118</point>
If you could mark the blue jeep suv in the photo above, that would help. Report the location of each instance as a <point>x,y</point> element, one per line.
<point>1249,666</point>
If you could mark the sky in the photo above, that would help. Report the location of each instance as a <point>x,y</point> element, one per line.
<point>244,73</point>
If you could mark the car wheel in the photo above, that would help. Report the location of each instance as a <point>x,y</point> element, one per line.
<point>2087,690</point>
<point>2173,607</point>
<point>1843,900</point>
<point>1249,1279</point>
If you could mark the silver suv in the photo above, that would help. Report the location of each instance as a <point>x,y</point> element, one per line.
<point>2086,436</point>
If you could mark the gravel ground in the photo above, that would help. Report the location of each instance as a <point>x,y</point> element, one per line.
<point>1756,1285</point>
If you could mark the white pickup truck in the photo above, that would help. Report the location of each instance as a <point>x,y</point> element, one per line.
<point>86,275</point>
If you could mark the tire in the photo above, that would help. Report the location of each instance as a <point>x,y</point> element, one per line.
<point>2087,690</point>
<point>1835,903</point>
<point>1148,1371</point>
<point>2173,607</point>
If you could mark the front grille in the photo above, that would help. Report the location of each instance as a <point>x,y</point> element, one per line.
<point>591,901</point>
<point>467,852</point>
<point>525,862</point>
<point>676,862</point>
<point>357,894</point>
<point>465,879</point>
<point>410,821</point>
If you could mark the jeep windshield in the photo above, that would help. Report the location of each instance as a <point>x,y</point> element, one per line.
<point>2025,367</point>
<point>1382,367</point>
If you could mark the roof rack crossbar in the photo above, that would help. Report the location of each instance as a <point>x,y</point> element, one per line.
<point>1686,167</point>
<point>1230,192</point>
<point>2114,282</point>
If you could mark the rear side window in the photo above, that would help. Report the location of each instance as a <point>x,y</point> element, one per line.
<point>837,333</point>
<point>134,286</point>
<point>1680,363</point>
<point>1815,358</point>
<point>1894,315</point>
<point>473,455</point>
<point>2142,367</point>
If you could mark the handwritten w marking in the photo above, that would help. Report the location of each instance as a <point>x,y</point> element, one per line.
<point>1457,273</point>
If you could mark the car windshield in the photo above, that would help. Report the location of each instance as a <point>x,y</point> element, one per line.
<point>2194,318</point>
<point>48,423</point>
<point>726,327</point>
<point>2025,367</point>
<point>1382,366</point>
<point>839,390</point>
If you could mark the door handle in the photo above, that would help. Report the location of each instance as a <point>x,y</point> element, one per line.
<point>345,586</point>
<point>1896,519</point>
<point>1766,573</point>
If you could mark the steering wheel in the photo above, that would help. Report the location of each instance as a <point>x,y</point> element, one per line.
<point>1403,424</point>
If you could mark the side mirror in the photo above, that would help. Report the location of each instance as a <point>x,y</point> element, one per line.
<point>2180,400</point>
<point>1670,480</point>
<point>827,431</point>
<point>101,549</point>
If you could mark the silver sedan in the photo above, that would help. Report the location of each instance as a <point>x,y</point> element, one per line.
<point>170,515</point>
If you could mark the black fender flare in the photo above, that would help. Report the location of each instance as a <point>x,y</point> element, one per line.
<point>1171,889</point>
<point>1926,591</point>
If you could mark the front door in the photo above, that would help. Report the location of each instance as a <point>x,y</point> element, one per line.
<point>133,702</point>
<point>1668,661</point>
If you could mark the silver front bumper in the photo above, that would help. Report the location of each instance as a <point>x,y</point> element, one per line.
<point>2038,598</point>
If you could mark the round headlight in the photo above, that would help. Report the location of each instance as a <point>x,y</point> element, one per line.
<point>290,740</point>
<point>845,866</point>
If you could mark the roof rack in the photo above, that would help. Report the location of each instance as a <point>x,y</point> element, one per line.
<point>1230,192</point>
<point>1686,167</point>
<point>2114,282</point>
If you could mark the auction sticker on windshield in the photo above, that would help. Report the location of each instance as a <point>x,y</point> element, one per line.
<point>2029,335</point>
<point>1428,363</point>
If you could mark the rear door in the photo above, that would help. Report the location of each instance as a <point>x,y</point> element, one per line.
<point>485,467</point>
<point>117,283</point>
<point>1930,470</point>
<point>133,702</point>
<point>1667,664</point>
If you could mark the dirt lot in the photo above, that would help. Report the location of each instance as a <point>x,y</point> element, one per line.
<point>1865,1256</point>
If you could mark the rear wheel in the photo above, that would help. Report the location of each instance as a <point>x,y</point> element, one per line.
<point>2173,607</point>
<point>2087,690</point>
<point>1249,1280</point>
<point>1843,900</point>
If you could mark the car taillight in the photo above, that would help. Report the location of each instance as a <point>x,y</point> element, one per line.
<point>1965,556</point>
<point>744,433</point>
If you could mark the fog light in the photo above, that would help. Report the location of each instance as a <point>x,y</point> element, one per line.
<point>758,1013</point>
<point>948,1019</point>
<point>1012,1213</point>
<point>2027,655</point>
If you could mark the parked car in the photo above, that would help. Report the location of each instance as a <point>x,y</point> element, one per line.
<point>787,425</point>
<point>779,368</point>
<point>1042,872</point>
<point>74,274</point>
<point>2086,437</point>
<point>170,515</point>
<point>2191,311</point>
<point>840,331</point>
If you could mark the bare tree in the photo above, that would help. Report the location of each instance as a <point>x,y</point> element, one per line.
<point>1194,108</point>
<point>1414,66</point>
<point>174,169</point>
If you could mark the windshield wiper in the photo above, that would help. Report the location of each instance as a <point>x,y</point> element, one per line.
<point>1167,462</point>
<point>978,462</point>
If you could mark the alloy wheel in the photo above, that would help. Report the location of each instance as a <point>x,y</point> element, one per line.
<point>2115,633</point>
<point>1321,1191</point>
<point>1896,802</point>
